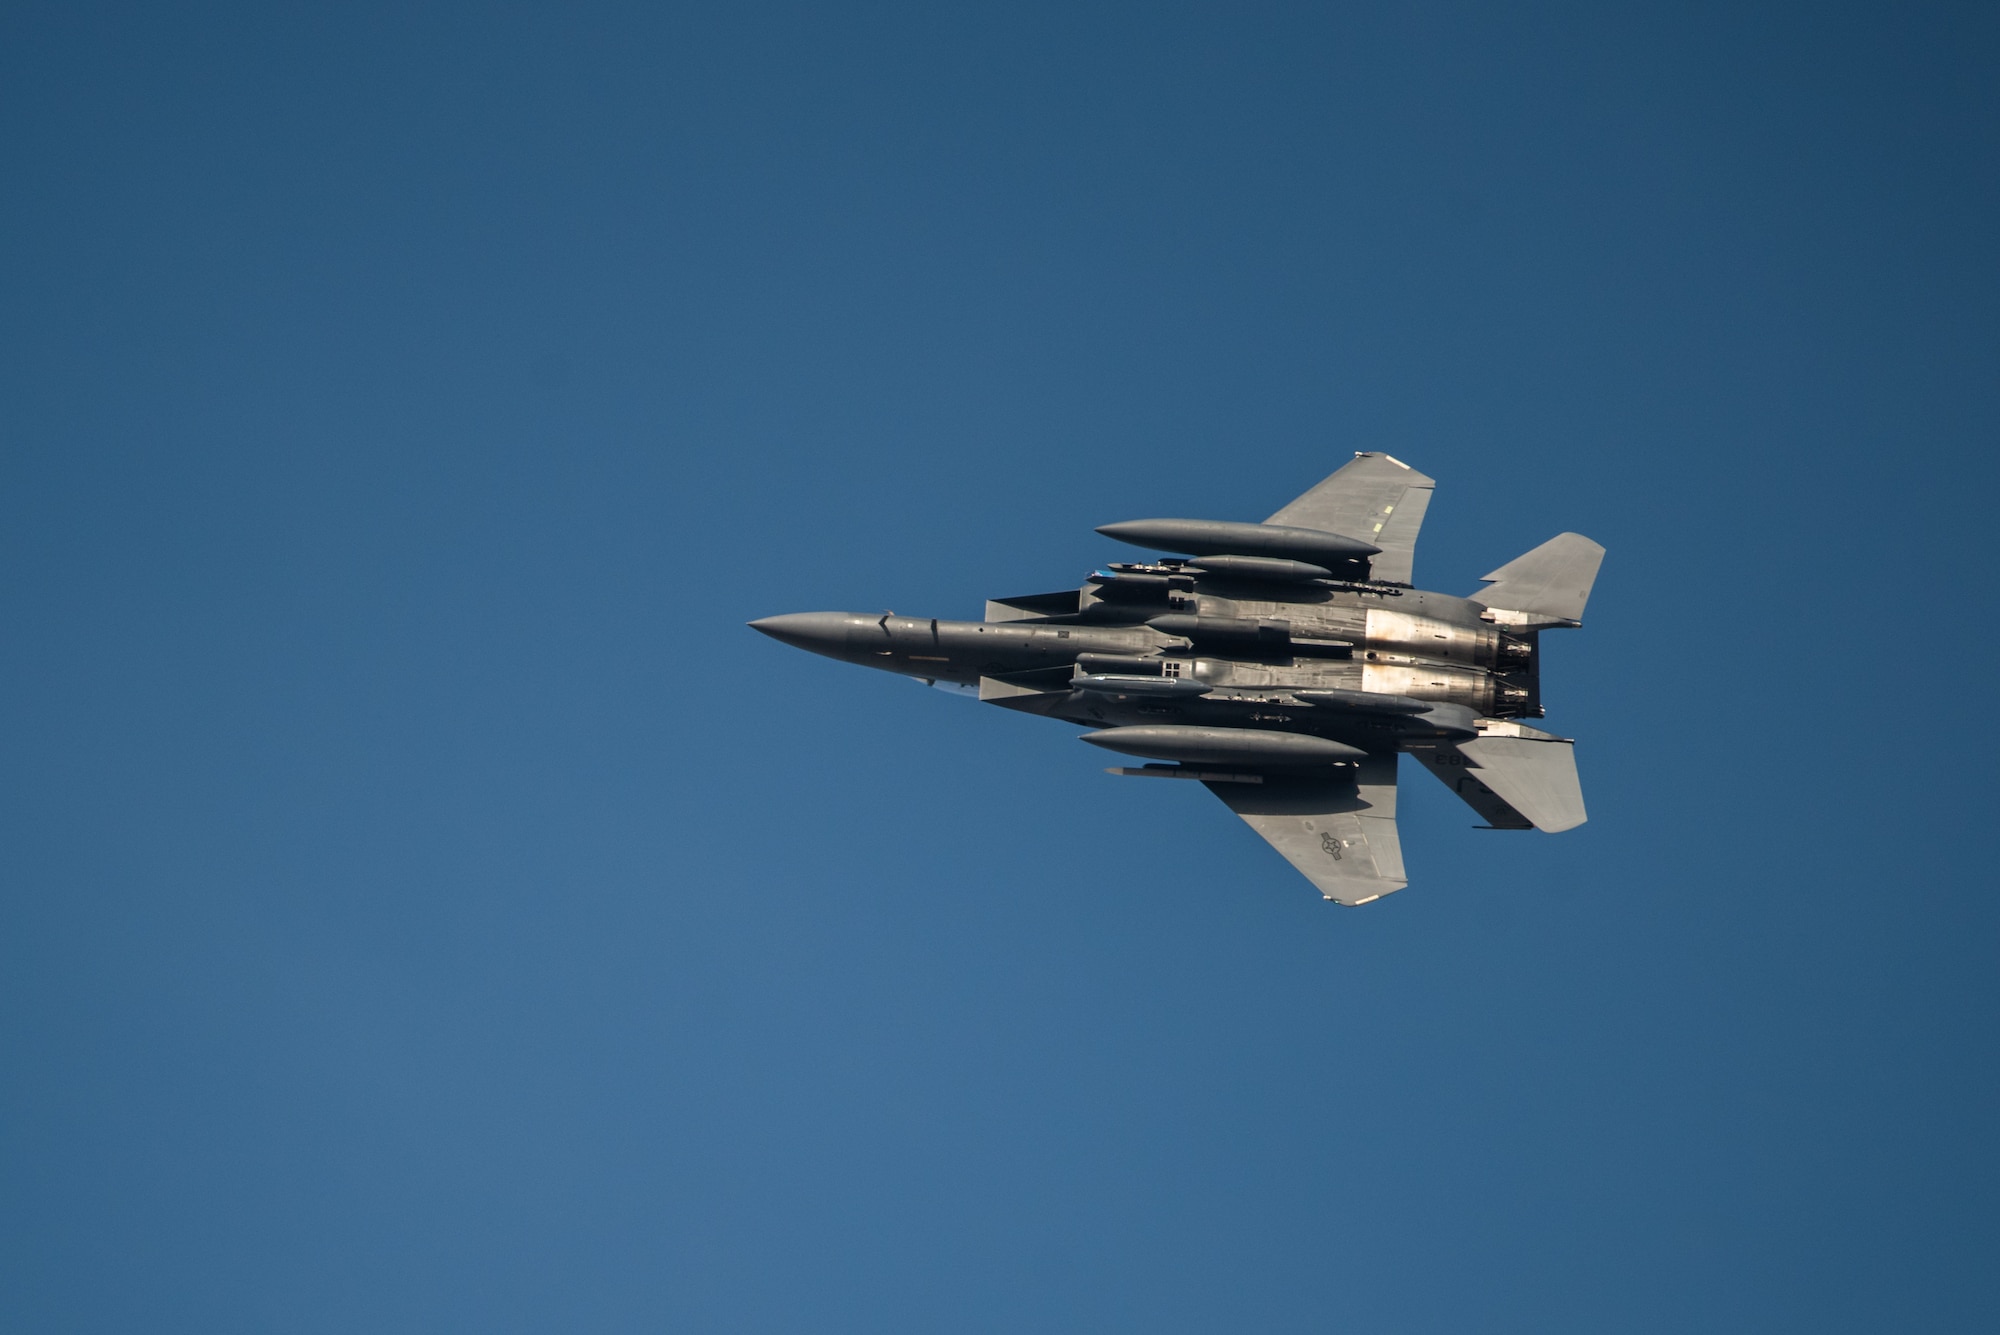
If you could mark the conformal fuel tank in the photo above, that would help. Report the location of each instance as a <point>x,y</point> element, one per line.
<point>1216,537</point>
<point>1224,746</point>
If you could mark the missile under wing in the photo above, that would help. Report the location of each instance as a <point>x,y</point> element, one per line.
<point>1285,666</point>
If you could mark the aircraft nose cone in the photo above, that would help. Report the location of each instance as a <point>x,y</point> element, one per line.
<point>819,632</point>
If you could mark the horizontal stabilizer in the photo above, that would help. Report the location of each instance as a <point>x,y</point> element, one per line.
<point>1549,584</point>
<point>1515,776</point>
<point>1457,773</point>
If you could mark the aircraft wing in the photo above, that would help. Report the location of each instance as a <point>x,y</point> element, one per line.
<point>1341,833</point>
<point>1375,498</point>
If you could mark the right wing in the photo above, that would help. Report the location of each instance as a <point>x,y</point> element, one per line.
<point>1374,498</point>
<point>1341,833</point>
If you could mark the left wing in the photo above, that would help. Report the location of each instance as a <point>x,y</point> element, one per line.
<point>1374,498</point>
<point>1341,833</point>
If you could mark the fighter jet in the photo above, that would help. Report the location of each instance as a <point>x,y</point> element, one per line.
<point>1284,666</point>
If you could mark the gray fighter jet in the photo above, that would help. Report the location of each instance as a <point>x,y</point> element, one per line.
<point>1284,666</point>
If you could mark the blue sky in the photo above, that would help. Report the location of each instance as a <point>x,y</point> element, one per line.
<point>429,909</point>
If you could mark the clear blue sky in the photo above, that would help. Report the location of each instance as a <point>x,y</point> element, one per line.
<point>427,908</point>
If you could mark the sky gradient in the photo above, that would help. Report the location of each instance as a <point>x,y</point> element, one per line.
<point>429,909</point>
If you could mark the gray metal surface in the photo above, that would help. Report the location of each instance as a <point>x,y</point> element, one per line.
<point>1225,746</point>
<point>1375,498</point>
<point>1339,833</point>
<point>1463,778</point>
<point>1517,777</point>
<point>1534,774</point>
<point>1216,537</point>
<point>1155,686</point>
<point>1550,584</point>
<point>1262,567</point>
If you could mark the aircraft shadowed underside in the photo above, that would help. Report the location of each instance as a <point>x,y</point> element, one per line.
<point>1284,666</point>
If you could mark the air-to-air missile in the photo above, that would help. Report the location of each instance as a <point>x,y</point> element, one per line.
<point>1284,665</point>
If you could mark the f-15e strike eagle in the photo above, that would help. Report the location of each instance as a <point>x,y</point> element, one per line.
<point>1284,666</point>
